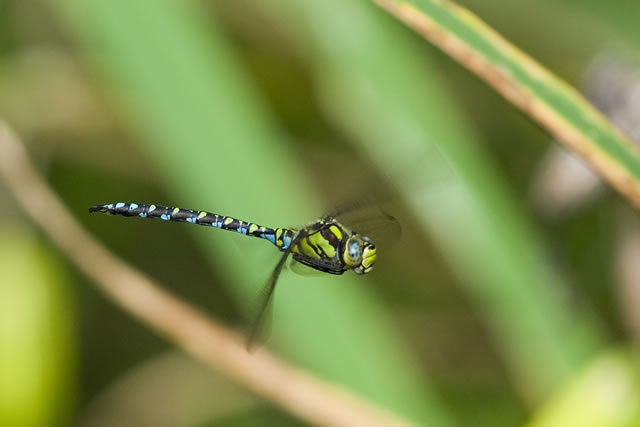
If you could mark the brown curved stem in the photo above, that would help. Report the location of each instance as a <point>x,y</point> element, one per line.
<point>298,392</point>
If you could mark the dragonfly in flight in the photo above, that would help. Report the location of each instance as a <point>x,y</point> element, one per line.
<point>325,245</point>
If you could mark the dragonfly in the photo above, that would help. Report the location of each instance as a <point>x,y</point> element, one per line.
<point>326,245</point>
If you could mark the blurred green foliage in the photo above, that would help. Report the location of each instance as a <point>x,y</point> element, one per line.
<point>275,112</point>
<point>606,394</point>
<point>36,333</point>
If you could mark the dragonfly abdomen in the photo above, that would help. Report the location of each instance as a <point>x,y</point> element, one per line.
<point>281,237</point>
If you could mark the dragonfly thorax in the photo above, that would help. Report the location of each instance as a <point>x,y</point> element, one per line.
<point>329,246</point>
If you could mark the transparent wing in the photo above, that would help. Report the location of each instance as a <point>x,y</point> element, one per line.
<point>260,323</point>
<point>303,270</point>
<point>261,319</point>
<point>353,208</point>
<point>371,221</point>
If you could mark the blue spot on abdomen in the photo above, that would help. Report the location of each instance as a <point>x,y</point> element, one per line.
<point>287,241</point>
<point>269,237</point>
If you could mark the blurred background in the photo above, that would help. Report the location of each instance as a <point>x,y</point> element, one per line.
<point>510,297</point>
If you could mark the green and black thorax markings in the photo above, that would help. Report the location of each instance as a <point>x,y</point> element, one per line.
<point>325,245</point>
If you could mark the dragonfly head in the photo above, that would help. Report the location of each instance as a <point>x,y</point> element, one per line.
<point>359,253</point>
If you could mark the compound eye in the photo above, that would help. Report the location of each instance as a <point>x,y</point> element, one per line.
<point>353,252</point>
<point>354,249</point>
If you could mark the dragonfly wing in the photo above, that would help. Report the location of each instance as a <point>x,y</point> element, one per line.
<point>260,321</point>
<point>261,316</point>
<point>303,270</point>
<point>352,207</point>
<point>385,232</point>
<point>371,221</point>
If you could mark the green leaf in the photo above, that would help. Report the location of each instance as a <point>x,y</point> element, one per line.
<point>546,99</point>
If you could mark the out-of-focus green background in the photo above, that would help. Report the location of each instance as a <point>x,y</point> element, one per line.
<point>509,299</point>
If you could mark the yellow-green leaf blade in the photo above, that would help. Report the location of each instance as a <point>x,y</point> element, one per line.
<point>538,93</point>
<point>36,341</point>
<point>606,393</point>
